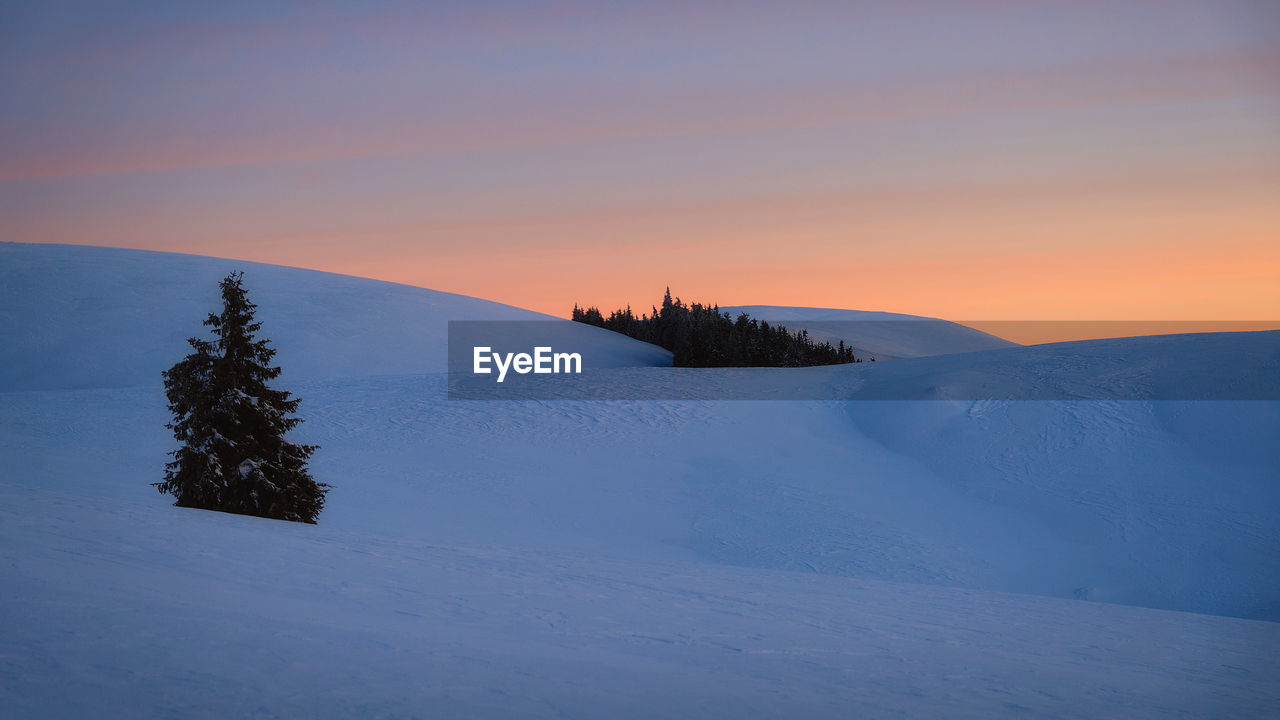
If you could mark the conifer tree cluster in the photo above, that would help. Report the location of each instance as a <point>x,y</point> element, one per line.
<point>231,425</point>
<point>702,336</point>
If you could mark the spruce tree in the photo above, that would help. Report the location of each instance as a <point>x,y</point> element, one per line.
<point>231,426</point>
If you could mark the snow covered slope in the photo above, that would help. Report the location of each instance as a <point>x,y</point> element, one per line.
<point>132,609</point>
<point>828,558</point>
<point>880,334</point>
<point>87,317</point>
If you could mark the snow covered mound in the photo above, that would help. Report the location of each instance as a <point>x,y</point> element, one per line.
<point>883,335</point>
<point>91,317</point>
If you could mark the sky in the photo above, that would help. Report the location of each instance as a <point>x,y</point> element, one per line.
<point>983,160</point>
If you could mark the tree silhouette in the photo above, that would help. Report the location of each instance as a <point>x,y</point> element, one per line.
<point>231,425</point>
<point>703,336</point>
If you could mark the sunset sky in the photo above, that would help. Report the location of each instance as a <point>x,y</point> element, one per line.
<point>981,160</point>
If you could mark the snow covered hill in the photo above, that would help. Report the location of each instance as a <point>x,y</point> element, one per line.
<point>882,335</point>
<point>89,317</point>
<point>827,558</point>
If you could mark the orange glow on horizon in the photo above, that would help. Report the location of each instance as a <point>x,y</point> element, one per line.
<point>1044,161</point>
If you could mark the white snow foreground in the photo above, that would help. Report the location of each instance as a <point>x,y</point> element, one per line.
<point>129,610</point>
<point>615,559</point>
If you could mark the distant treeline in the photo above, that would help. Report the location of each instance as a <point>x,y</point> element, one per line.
<point>702,336</point>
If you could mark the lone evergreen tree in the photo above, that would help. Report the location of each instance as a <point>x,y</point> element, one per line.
<point>231,426</point>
